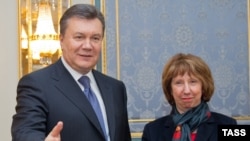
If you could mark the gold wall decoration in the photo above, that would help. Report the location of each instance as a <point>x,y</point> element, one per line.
<point>38,24</point>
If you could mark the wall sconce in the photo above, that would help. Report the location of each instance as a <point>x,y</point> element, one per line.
<point>39,33</point>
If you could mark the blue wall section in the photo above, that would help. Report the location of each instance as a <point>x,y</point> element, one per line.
<point>151,31</point>
<point>136,139</point>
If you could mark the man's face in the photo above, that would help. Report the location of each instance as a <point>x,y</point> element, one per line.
<point>81,44</point>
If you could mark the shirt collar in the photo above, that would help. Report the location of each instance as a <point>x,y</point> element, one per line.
<point>76,75</point>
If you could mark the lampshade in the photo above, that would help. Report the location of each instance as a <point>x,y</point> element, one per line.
<point>44,41</point>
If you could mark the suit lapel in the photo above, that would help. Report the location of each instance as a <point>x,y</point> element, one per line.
<point>106,93</point>
<point>70,89</point>
<point>205,130</point>
<point>169,129</point>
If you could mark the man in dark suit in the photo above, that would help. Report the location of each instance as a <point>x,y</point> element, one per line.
<point>51,104</point>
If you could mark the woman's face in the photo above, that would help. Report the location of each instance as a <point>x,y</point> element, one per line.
<point>187,92</point>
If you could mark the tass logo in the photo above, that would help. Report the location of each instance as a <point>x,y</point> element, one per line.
<point>240,132</point>
<point>234,132</point>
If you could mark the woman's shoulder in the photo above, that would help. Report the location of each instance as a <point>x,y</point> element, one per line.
<point>222,118</point>
<point>160,121</point>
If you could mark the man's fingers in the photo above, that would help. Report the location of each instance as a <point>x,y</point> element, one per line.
<point>57,129</point>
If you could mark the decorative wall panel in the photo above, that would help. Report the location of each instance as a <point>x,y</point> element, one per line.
<point>143,34</point>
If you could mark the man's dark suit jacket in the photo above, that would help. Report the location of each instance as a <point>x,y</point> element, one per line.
<point>163,128</point>
<point>51,94</point>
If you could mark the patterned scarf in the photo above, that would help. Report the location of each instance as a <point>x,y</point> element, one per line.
<point>190,120</point>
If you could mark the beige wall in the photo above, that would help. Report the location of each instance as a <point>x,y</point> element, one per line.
<point>9,64</point>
